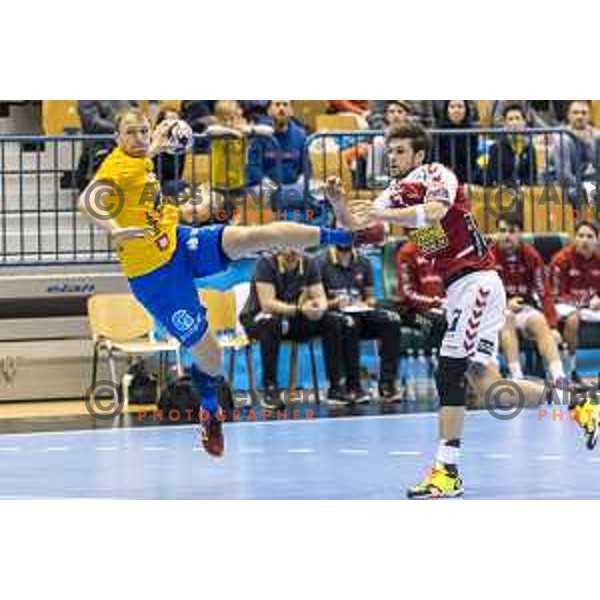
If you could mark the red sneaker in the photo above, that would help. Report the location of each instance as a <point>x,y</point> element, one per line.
<point>213,440</point>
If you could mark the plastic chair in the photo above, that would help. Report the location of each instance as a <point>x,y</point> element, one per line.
<point>121,326</point>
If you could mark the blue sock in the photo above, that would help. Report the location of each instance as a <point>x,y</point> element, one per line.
<point>335,237</point>
<point>207,387</point>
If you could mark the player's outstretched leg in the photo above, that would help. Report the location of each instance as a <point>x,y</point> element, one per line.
<point>239,242</point>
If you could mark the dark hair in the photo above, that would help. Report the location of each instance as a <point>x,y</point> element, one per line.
<point>419,138</point>
<point>512,220</point>
<point>571,102</point>
<point>162,114</point>
<point>589,224</point>
<point>514,106</point>
<point>467,118</point>
<point>401,103</point>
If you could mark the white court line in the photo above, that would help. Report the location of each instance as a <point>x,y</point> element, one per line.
<point>154,448</point>
<point>498,456</point>
<point>106,448</point>
<point>252,450</point>
<point>352,451</point>
<point>229,426</point>
<point>549,457</point>
<point>10,449</point>
<point>56,449</point>
<point>300,450</point>
<point>594,460</point>
<point>405,453</point>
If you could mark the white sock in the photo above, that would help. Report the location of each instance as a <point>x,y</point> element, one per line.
<point>556,370</point>
<point>447,455</point>
<point>515,370</point>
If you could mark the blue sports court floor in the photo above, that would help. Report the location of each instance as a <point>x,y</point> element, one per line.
<point>368,457</point>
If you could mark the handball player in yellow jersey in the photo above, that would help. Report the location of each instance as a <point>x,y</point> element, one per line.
<point>161,258</point>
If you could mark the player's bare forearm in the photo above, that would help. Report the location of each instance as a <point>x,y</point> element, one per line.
<point>431,214</point>
<point>345,218</point>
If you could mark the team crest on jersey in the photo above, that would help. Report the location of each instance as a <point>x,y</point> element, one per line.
<point>192,242</point>
<point>430,240</point>
<point>182,320</point>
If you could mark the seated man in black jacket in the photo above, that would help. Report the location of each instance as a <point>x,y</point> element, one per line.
<point>512,157</point>
<point>287,301</point>
<point>348,281</point>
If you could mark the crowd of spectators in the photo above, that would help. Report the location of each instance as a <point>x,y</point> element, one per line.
<point>258,145</point>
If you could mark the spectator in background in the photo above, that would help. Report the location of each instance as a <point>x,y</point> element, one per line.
<point>348,281</point>
<point>169,167</point>
<point>440,113</point>
<point>421,111</point>
<point>458,151</point>
<point>264,156</point>
<point>530,308</point>
<point>97,117</point>
<point>229,153</point>
<point>498,111</point>
<point>421,293</point>
<point>512,157</point>
<point>397,112</point>
<point>287,302</point>
<point>574,159</point>
<point>198,114</point>
<point>575,286</point>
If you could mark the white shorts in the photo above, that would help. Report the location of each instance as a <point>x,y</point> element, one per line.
<point>585,314</point>
<point>475,316</point>
<point>521,318</point>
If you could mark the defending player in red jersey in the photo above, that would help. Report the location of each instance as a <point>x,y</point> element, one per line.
<point>427,199</point>
<point>530,309</point>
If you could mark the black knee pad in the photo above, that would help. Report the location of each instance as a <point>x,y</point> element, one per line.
<point>451,382</point>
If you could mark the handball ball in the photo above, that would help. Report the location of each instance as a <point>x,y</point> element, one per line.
<point>181,137</point>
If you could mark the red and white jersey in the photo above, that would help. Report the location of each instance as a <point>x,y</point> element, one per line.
<point>574,279</point>
<point>456,245</point>
<point>522,273</point>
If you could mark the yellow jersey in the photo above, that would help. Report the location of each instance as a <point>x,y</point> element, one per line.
<point>141,207</point>
<point>228,163</point>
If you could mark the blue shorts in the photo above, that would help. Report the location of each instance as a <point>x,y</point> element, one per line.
<point>169,293</point>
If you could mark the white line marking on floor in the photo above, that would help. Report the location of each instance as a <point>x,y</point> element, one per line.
<point>9,449</point>
<point>252,450</point>
<point>106,448</point>
<point>230,426</point>
<point>596,459</point>
<point>353,451</point>
<point>154,448</point>
<point>405,453</point>
<point>56,449</point>
<point>549,457</point>
<point>300,450</point>
<point>498,456</point>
